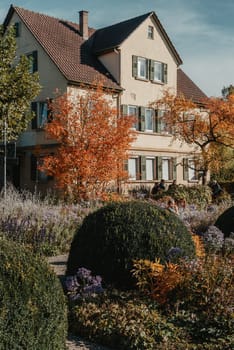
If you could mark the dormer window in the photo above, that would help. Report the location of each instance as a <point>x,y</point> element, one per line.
<point>150,32</point>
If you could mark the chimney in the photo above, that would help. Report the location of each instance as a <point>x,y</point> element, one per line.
<point>84,24</point>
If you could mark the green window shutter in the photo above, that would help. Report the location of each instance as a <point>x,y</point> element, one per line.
<point>151,69</point>
<point>125,165</point>
<point>142,118</point>
<point>17,27</point>
<point>174,168</point>
<point>159,115</point>
<point>124,110</point>
<point>154,121</point>
<point>164,73</point>
<point>185,169</point>
<point>134,66</point>
<point>159,168</point>
<point>143,167</point>
<point>147,69</point>
<point>35,61</point>
<point>34,110</point>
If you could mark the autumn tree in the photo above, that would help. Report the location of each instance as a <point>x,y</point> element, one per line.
<point>18,87</point>
<point>93,143</point>
<point>206,127</point>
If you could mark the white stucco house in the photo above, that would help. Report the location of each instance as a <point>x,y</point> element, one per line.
<point>135,59</point>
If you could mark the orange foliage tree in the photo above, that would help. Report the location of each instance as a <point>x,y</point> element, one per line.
<point>207,126</point>
<point>93,143</point>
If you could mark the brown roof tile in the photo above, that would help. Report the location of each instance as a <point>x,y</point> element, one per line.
<point>63,43</point>
<point>186,87</point>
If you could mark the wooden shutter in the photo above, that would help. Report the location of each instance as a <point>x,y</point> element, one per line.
<point>142,118</point>
<point>124,110</point>
<point>159,168</point>
<point>143,167</point>
<point>164,73</point>
<point>34,111</point>
<point>134,66</point>
<point>147,69</point>
<point>154,121</point>
<point>35,61</point>
<point>185,169</point>
<point>174,168</point>
<point>151,69</point>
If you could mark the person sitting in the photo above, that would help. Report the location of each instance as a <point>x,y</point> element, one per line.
<point>216,189</point>
<point>155,188</point>
<point>172,206</point>
<point>161,185</point>
<point>173,185</point>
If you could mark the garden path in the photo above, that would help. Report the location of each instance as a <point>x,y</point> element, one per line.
<point>73,343</point>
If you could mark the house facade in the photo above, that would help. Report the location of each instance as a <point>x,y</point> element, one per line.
<point>136,61</point>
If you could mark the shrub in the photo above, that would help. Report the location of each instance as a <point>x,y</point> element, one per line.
<point>198,195</point>
<point>124,321</point>
<point>110,238</point>
<point>203,300</point>
<point>225,221</point>
<point>32,303</point>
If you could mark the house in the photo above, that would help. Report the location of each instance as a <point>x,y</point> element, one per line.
<point>135,59</point>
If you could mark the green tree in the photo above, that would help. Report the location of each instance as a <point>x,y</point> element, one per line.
<point>18,87</point>
<point>227,90</point>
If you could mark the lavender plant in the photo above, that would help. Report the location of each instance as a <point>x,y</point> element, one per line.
<point>44,227</point>
<point>83,284</point>
<point>213,239</point>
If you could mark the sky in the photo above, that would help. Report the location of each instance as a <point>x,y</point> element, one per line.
<point>202,31</point>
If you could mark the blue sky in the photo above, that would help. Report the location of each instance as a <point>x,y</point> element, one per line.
<point>201,30</point>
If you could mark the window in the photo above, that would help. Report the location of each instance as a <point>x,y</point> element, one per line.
<point>189,169</point>
<point>140,67</point>
<point>158,71</point>
<point>149,113</point>
<point>42,114</point>
<point>37,175</point>
<point>162,126</point>
<point>17,27</point>
<point>150,168</point>
<point>167,167</point>
<point>33,61</point>
<point>150,32</point>
<point>133,111</point>
<point>132,168</point>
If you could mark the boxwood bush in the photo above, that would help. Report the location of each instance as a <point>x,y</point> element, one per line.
<point>33,312</point>
<point>111,237</point>
<point>225,222</point>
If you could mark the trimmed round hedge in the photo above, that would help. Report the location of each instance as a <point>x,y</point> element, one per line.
<point>33,312</point>
<point>111,237</point>
<point>225,222</point>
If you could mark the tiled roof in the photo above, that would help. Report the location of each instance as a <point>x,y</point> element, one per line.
<point>111,37</point>
<point>188,88</point>
<point>63,43</point>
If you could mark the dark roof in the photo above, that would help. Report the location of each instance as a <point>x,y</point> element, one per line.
<point>62,41</point>
<point>112,36</point>
<point>187,88</point>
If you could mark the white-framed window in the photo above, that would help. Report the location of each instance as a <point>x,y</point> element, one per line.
<point>168,168</point>
<point>149,114</point>
<point>42,114</point>
<point>150,32</point>
<point>142,67</point>
<point>132,168</point>
<point>158,71</point>
<point>192,174</point>
<point>158,74</point>
<point>150,168</point>
<point>133,111</point>
<point>33,57</point>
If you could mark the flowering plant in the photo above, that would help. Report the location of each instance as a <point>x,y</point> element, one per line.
<point>83,284</point>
